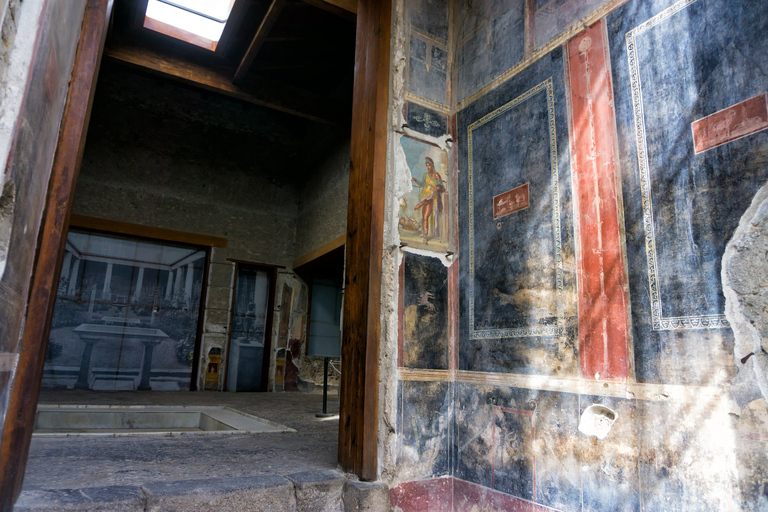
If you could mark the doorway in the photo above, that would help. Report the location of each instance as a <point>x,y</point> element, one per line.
<point>359,415</point>
<point>250,328</point>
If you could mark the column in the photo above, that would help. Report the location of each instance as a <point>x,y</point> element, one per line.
<point>169,285</point>
<point>85,366</point>
<point>188,283</point>
<point>107,282</point>
<point>139,283</point>
<point>177,283</point>
<point>73,279</point>
<point>65,267</point>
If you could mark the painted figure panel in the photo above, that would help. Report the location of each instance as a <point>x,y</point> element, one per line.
<point>424,211</point>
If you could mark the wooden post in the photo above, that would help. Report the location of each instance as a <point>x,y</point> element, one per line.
<point>358,418</point>
<point>25,391</point>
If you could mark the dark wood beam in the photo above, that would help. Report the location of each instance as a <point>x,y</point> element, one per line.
<point>127,228</point>
<point>261,92</point>
<point>359,411</point>
<point>258,39</point>
<point>344,8</point>
<point>20,417</point>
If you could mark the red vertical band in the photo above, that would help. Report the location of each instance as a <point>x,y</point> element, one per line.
<point>602,279</point>
<point>530,17</point>
<point>453,270</point>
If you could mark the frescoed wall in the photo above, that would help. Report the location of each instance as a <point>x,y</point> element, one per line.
<point>425,313</point>
<point>604,154</point>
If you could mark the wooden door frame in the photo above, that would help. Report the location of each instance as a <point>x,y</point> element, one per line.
<point>359,391</point>
<point>25,390</point>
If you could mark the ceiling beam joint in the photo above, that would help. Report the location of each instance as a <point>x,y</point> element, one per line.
<point>258,39</point>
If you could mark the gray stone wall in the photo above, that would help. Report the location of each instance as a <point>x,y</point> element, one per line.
<point>162,155</point>
<point>323,202</point>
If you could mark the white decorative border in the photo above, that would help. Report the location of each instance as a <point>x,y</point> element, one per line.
<point>659,322</point>
<point>527,331</point>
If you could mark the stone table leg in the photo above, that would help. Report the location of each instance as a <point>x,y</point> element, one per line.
<point>85,366</point>
<point>146,365</point>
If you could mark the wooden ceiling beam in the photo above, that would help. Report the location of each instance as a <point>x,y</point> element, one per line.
<point>258,39</point>
<point>344,8</point>
<point>262,93</point>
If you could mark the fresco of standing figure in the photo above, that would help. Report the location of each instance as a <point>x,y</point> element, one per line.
<point>430,203</point>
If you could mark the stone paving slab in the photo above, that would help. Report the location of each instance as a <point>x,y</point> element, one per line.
<point>93,499</point>
<point>318,490</point>
<point>269,493</point>
<point>366,497</point>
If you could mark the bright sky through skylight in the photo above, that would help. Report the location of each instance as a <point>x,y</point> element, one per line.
<point>219,9</point>
<point>189,21</point>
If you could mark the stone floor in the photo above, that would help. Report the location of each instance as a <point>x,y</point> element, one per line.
<point>77,462</point>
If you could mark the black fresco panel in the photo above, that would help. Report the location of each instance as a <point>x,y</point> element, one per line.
<point>426,121</point>
<point>518,293</point>
<point>519,442</point>
<point>428,69</point>
<point>675,63</point>
<point>430,16</point>
<point>424,423</point>
<point>491,39</point>
<point>425,313</point>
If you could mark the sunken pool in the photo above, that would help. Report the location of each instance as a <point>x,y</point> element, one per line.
<point>121,420</point>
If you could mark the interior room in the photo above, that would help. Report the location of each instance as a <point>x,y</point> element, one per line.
<point>407,255</point>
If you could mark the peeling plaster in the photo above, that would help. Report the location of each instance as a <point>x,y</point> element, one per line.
<point>13,77</point>
<point>398,178</point>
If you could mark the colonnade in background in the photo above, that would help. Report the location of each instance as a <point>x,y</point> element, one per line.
<point>179,282</point>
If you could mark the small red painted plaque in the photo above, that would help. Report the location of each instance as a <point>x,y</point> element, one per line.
<point>732,123</point>
<point>511,201</point>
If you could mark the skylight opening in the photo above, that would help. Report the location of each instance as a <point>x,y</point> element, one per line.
<point>198,22</point>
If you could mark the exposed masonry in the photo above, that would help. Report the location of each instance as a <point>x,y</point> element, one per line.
<point>15,59</point>
<point>744,274</point>
<point>7,202</point>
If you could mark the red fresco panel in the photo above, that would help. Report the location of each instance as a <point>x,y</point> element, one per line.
<point>745,118</point>
<point>469,496</point>
<point>434,495</point>
<point>511,201</point>
<point>602,279</point>
<point>401,312</point>
<point>453,271</point>
<point>453,305</point>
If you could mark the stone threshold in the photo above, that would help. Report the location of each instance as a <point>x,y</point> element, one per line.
<point>309,491</point>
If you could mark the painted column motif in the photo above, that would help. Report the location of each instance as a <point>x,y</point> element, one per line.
<point>602,279</point>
